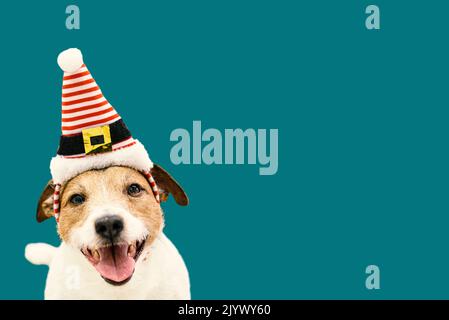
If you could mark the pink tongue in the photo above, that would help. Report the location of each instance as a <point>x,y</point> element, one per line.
<point>120,269</point>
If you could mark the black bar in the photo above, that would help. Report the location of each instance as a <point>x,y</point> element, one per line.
<point>73,145</point>
<point>229,309</point>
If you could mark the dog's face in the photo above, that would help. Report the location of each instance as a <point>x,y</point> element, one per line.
<point>111,216</point>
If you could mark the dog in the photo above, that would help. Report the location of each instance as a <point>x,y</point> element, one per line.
<point>112,240</point>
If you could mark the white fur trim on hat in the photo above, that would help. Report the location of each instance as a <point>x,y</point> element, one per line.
<point>70,60</point>
<point>135,156</point>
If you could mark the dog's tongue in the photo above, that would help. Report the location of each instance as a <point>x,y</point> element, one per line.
<point>115,264</point>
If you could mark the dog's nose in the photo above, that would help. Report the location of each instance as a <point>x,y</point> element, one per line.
<point>109,227</point>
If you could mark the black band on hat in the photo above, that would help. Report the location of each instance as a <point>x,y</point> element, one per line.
<point>74,145</point>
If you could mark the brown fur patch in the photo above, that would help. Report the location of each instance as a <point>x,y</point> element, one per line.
<point>109,186</point>
<point>45,203</point>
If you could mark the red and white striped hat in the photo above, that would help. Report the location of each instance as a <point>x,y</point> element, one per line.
<point>94,135</point>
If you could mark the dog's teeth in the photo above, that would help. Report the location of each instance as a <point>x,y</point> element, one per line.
<point>132,250</point>
<point>96,255</point>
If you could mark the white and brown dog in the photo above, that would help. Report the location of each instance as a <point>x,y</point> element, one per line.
<point>113,246</point>
<point>105,194</point>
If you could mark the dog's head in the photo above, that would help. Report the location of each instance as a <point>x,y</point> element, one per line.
<point>111,216</point>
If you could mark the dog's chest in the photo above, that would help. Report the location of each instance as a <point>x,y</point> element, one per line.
<point>159,274</point>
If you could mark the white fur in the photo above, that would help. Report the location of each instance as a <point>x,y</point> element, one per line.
<point>70,60</point>
<point>136,157</point>
<point>160,274</point>
<point>40,253</point>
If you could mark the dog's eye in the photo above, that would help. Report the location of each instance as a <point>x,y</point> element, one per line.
<point>77,199</point>
<point>134,189</point>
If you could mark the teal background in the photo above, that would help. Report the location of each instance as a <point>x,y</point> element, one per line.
<point>362,118</point>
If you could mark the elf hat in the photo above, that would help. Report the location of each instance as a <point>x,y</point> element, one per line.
<point>94,135</point>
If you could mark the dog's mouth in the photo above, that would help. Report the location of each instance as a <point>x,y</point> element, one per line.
<point>115,262</point>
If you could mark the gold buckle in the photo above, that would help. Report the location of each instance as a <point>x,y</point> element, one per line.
<point>97,140</point>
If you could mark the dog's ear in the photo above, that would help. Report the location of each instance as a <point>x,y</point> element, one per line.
<point>167,184</point>
<point>45,204</point>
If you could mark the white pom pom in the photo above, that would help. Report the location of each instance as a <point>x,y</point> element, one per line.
<point>70,60</point>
